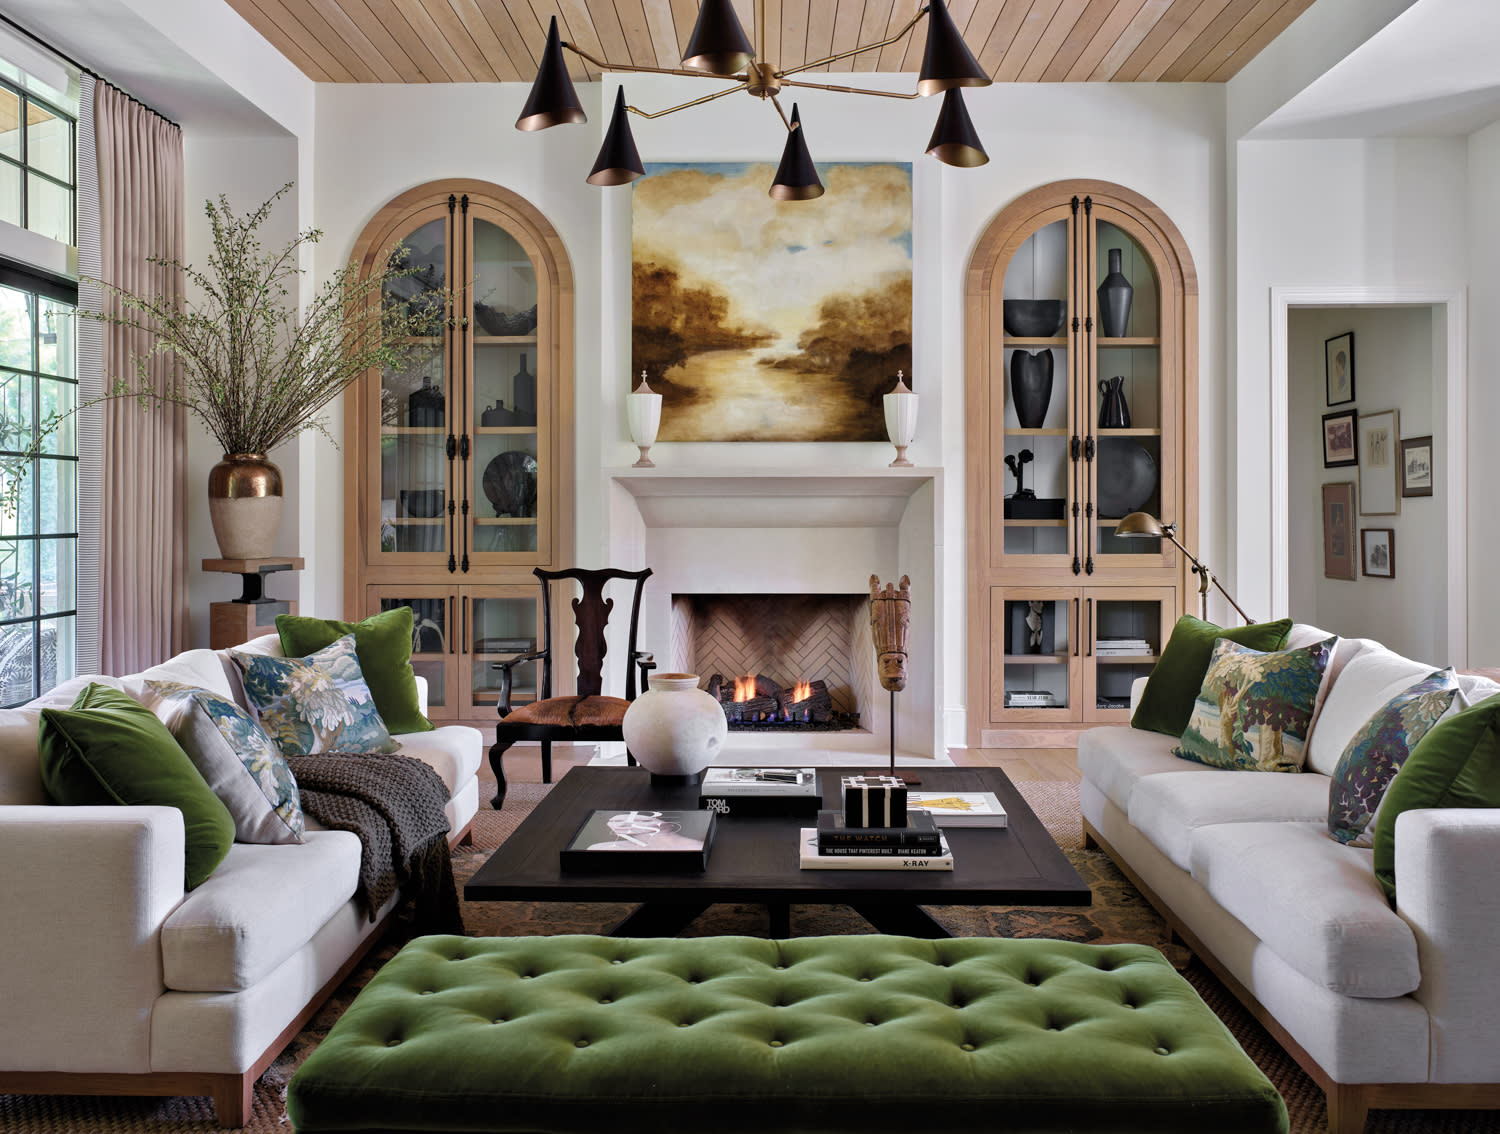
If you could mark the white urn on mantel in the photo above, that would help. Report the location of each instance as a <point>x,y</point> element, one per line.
<point>901,419</point>
<point>643,412</point>
<point>674,729</point>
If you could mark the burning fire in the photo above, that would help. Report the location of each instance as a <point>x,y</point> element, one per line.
<point>801,691</point>
<point>744,688</point>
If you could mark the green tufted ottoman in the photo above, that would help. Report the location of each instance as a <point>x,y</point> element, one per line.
<point>863,1034</point>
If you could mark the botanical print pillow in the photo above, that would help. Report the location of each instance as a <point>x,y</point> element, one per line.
<point>1254,709</point>
<point>1376,752</point>
<point>245,770</point>
<point>319,703</point>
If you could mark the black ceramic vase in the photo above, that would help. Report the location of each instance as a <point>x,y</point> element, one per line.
<point>425,406</point>
<point>1113,412</point>
<point>1031,386</point>
<point>1115,295</point>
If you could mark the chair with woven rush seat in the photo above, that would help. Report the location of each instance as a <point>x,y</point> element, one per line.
<point>586,715</point>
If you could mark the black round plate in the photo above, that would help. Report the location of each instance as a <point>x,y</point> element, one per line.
<point>510,484</point>
<point>1127,477</point>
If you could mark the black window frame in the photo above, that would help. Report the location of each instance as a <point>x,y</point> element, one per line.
<point>28,170</point>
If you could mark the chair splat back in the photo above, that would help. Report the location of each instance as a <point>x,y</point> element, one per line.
<point>591,612</point>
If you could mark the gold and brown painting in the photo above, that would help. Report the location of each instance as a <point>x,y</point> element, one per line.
<point>764,320</point>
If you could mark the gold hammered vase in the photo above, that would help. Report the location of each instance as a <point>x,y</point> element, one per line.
<point>244,504</point>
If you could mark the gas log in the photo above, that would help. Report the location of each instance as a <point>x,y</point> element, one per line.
<point>771,701</point>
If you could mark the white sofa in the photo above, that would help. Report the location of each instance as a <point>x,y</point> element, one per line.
<point>1383,1007</point>
<point>114,980</point>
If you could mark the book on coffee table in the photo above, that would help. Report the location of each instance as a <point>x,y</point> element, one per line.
<point>613,841</point>
<point>959,808</point>
<point>812,859</point>
<point>760,791</point>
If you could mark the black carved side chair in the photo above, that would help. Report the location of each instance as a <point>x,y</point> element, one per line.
<point>586,715</point>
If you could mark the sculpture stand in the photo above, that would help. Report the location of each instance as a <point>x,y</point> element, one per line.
<point>911,781</point>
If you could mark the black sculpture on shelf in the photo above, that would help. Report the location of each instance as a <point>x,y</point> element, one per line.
<point>1017,463</point>
<point>1115,295</point>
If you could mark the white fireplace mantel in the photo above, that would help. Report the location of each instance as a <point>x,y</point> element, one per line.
<point>790,530</point>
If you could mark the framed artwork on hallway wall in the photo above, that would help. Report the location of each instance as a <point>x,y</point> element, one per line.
<point>1377,548</point>
<point>1338,369</point>
<point>1379,452</point>
<point>1338,531</point>
<point>765,320</point>
<point>1340,441</point>
<point>1416,466</point>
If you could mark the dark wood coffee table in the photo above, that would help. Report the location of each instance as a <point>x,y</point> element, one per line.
<point>756,860</point>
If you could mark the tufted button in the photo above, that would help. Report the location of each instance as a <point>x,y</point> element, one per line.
<point>605,1000</point>
<point>685,1024</point>
<point>780,967</point>
<point>1162,1051</point>
<point>580,1043</point>
<point>502,1019</point>
<point>777,1043</point>
<point>392,1042</point>
<point>427,992</point>
<point>617,961</point>
<point>966,1046</point>
<point>864,978</point>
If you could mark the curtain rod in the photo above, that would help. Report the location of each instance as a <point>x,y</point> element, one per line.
<point>66,58</point>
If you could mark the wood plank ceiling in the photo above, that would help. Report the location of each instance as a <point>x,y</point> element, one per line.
<point>486,41</point>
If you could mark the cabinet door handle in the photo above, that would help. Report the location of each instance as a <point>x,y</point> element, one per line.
<point>1091,628</point>
<point>466,623</point>
<point>1077,626</point>
<point>452,637</point>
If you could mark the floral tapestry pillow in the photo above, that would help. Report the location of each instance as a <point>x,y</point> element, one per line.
<point>1376,752</point>
<point>1254,709</point>
<point>245,770</point>
<point>319,703</point>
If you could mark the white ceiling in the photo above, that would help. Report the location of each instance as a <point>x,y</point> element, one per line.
<point>1433,70</point>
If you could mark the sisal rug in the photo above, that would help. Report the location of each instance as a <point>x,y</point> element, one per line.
<point>1119,913</point>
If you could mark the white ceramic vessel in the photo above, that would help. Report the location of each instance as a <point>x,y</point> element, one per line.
<point>675,728</point>
<point>643,413</point>
<point>901,419</point>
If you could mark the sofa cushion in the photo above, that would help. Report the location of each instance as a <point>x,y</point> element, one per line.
<point>453,752</point>
<point>199,669</point>
<point>1457,764</point>
<point>315,704</point>
<point>1113,758</point>
<point>1362,686</point>
<point>383,644</point>
<point>1167,702</point>
<point>108,748</point>
<point>1377,751</point>
<point>262,905</point>
<point>1169,808</point>
<point>1313,902</point>
<point>1254,709</point>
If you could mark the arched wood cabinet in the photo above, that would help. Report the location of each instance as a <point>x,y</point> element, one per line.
<point>1063,614</point>
<point>458,470</point>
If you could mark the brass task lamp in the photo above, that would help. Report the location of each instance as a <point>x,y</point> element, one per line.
<point>1143,525</point>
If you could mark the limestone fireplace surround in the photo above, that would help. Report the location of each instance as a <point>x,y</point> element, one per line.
<point>794,532</point>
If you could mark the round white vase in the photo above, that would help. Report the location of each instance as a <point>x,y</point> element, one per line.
<point>674,729</point>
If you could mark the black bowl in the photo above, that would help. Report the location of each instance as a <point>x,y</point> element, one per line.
<point>423,503</point>
<point>1034,318</point>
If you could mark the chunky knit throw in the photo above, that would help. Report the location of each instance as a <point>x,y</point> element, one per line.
<point>395,805</point>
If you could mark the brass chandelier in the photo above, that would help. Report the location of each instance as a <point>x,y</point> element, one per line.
<point>719,48</point>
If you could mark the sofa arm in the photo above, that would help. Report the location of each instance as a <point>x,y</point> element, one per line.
<point>1137,690</point>
<point>1448,890</point>
<point>83,896</point>
<point>421,694</point>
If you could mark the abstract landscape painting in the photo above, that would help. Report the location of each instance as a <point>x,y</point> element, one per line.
<point>763,320</point>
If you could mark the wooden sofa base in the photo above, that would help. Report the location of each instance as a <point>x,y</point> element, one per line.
<point>1348,1103</point>
<point>232,1093</point>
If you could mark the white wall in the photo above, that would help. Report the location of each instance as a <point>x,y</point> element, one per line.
<point>1394,369</point>
<point>1483,232</point>
<point>1164,141</point>
<point>1382,214</point>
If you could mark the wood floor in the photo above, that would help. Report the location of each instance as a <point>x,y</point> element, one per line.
<point>524,765</point>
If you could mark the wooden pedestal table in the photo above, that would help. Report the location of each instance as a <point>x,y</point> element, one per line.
<point>254,612</point>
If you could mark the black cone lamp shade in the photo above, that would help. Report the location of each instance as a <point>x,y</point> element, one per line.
<point>619,162</point>
<point>718,45</point>
<point>947,62</point>
<point>553,100</point>
<point>954,140</point>
<point>796,176</point>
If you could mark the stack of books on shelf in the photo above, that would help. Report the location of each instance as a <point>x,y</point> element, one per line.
<point>1029,699</point>
<point>760,791</point>
<point>1123,648</point>
<point>832,845</point>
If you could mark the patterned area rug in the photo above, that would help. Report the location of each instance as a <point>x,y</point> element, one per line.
<point>1119,913</point>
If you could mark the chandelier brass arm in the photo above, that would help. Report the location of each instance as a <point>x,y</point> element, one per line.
<point>850,90</point>
<point>858,50</point>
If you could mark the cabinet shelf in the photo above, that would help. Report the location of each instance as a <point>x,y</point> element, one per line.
<point>1037,432</point>
<point>1125,659</point>
<point>499,521</point>
<point>1132,341</point>
<point>1036,523</point>
<point>513,430</point>
<point>1131,432</point>
<point>413,431</point>
<point>1036,659</point>
<point>1028,341</point>
<point>504,340</point>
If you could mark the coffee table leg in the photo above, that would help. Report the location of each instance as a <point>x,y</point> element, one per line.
<point>659,919</point>
<point>901,919</point>
<point>781,919</point>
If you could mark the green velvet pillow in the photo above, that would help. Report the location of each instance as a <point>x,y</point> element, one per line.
<point>1167,703</point>
<point>382,643</point>
<point>1455,764</point>
<point>110,749</point>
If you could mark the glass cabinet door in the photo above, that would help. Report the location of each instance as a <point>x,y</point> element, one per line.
<point>434,649</point>
<point>1038,482</point>
<point>410,463</point>
<point>1127,402</point>
<point>509,403</point>
<point>1035,653</point>
<point>1124,630</point>
<point>500,623</point>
